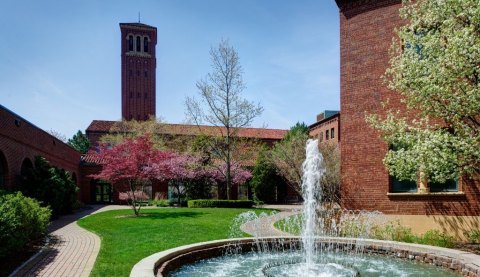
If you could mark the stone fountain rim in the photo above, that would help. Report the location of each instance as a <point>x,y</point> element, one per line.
<point>147,266</point>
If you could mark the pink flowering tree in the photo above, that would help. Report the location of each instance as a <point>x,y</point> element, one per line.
<point>134,162</point>
<point>184,171</point>
<point>238,175</point>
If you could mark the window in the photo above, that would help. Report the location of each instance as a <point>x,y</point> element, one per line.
<point>27,165</point>
<point>146,73</point>
<point>130,43</point>
<point>397,185</point>
<point>320,136</point>
<point>326,135</point>
<point>138,94</point>
<point>145,95</point>
<point>145,44</point>
<point>448,186</point>
<point>138,73</point>
<point>332,133</point>
<point>138,44</point>
<point>131,94</point>
<point>130,73</point>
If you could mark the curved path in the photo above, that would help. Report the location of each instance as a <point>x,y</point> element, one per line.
<point>72,250</point>
<point>264,226</point>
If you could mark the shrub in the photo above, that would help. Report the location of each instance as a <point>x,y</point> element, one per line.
<point>214,203</point>
<point>436,238</point>
<point>394,231</point>
<point>51,186</point>
<point>22,220</point>
<point>161,203</point>
<point>473,236</point>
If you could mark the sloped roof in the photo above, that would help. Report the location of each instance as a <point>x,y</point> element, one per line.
<point>104,126</point>
<point>138,24</point>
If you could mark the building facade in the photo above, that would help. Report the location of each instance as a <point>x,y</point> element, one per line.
<point>366,31</point>
<point>21,141</point>
<point>327,127</point>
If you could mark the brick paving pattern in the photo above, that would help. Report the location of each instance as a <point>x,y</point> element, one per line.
<point>72,250</point>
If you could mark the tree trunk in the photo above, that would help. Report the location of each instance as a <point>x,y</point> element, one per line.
<point>134,200</point>
<point>228,175</point>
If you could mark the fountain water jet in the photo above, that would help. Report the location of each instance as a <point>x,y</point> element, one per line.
<point>312,172</point>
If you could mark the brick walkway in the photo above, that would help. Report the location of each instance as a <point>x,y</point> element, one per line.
<point>72,250</point>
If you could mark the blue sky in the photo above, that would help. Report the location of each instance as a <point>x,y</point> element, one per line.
<point>60,60</point>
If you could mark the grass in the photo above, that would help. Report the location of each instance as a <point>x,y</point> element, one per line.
<point>126,240</point>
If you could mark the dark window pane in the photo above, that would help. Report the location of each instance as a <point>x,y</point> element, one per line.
<point>326,135</point>
<point>138,44</point>
<point>450,185</point>
<point>145,45</point>
<point>332,133</point>
<point>130,43</point>
<point>402,186</point>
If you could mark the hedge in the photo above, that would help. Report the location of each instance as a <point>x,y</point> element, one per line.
<point>22,221</point>
<point>213,203</point>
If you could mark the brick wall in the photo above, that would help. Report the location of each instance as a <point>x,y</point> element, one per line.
<point>319,129</point>
<point>366,31</point>
<point>138,72</point>
<point>21,140</point>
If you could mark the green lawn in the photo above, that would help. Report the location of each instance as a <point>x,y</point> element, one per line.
<point>127,240</point>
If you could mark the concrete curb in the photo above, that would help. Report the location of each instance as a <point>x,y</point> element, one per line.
<point>463,262</point>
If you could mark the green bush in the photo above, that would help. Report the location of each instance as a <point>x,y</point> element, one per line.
<point>473,236</point>
<point>161,203</point>
<point>394,231</point>
<point>213,203</point>
<point>436,238</point>
<point>22,220</point>
<point>51,186</point>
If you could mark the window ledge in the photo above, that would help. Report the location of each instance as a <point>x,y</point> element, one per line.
<point>416,194</point>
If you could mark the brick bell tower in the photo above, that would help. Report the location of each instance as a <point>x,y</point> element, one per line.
<point>138,70</point>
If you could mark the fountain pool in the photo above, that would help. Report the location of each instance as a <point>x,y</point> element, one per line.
<point>317,252</point>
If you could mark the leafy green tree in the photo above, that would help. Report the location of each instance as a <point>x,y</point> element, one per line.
<point>298,128</point>
<point>265,181</point>
<point>434,66</point>
<point>80,142</point>
<point>288,156</point>
<point>51,186</point>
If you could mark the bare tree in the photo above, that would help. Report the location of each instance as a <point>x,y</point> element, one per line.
<point>222,105</point>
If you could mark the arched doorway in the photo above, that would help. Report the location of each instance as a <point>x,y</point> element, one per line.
<point>25,169</point>
<point>101,192</point>
<point>3,170</point>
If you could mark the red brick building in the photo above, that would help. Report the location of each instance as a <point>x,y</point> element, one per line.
<point>21,141</point>
<point>95,191</point>
<point>366,31</point>
<point>326,128</point>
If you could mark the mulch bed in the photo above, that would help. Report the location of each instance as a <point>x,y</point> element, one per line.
<point>469,247</point>
<point>11,262</point>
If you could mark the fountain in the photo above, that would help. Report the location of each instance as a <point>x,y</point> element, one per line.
<point>323,249</point>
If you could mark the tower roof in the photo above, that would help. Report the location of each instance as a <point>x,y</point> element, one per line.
<point>138,25</point>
